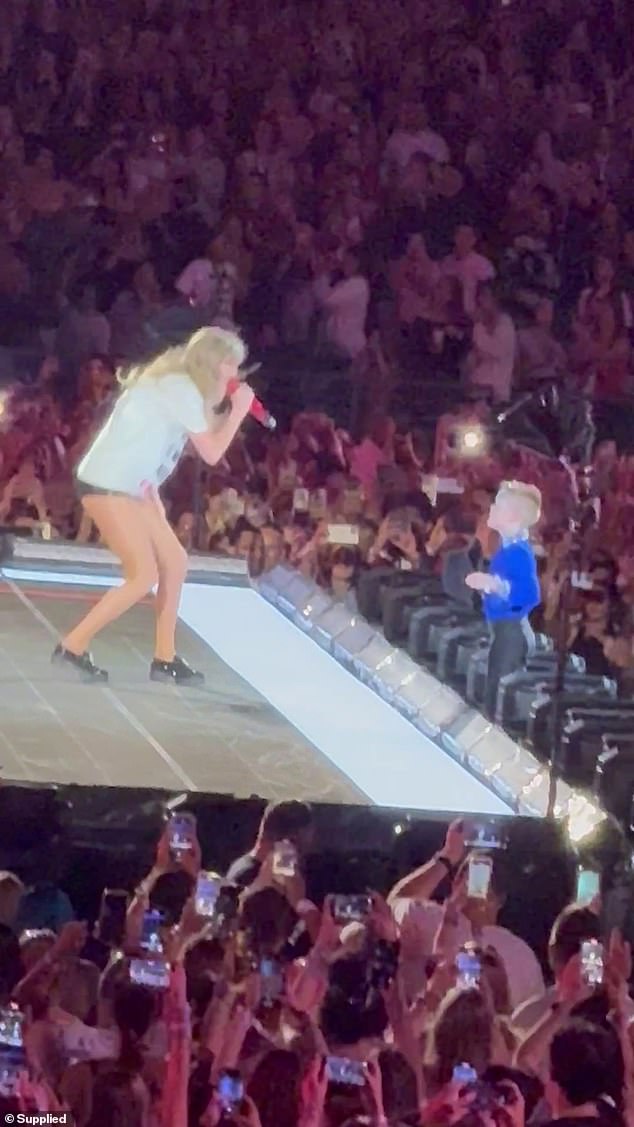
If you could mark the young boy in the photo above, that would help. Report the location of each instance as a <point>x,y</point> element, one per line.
<point>510,589</point>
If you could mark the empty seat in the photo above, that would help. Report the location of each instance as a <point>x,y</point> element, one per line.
<point>582,736</point>
<point>371,583</point>
<point>396,599</point>
<point>614,776</point>
<point>421,621</point>
<point>450,658</point>
<point>539,727</point>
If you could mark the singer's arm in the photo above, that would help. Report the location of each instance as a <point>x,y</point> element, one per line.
<point>213,445</point>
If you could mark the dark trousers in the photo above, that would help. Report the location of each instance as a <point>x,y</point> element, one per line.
<point>512,642</point>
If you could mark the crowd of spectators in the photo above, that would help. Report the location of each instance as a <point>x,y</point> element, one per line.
<point>239,1001</point>
<point>324,175</point>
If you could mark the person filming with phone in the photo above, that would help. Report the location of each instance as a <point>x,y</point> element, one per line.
<point>287,824</point>
<point>473,858</point>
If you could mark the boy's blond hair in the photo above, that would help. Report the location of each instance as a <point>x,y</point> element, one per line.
<point>529,497</point>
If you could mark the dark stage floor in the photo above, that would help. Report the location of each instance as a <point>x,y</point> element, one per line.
<point>224,738</point>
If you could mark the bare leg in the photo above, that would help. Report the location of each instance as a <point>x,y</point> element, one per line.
<point>171,560</point>
<point>84,531</point>
<point>127,536</point>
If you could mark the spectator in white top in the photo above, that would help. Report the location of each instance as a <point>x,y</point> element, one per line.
<point>345,306</point>
<point>576,924</point>
<point>413,135</point>
<point>491,362</point>
<point>420,920</point>
<point>468,266</point>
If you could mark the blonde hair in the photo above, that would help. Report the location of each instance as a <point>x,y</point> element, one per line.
<point>462,1031</point>
<point>200,358</point>
<point>528,495</point>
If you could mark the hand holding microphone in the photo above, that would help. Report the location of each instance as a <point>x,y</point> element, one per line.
<point>242,397</point>
<point>243,400</point>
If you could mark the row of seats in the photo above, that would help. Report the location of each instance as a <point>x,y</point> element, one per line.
<point>451,640</point>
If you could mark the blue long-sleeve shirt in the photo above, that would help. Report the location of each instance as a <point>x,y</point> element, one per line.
<point>513,563</point>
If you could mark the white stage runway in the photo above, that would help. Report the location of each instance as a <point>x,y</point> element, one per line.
<point>278,717</point>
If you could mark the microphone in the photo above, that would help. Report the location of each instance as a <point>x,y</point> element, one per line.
<point>257,410</point>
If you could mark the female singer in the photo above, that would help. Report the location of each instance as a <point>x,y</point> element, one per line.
<point>173,398</point>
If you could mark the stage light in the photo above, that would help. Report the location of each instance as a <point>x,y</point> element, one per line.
<point>318,602</point>
<point>583,817</point>
<point>490,753</point>
<point>272,583</point>
<point>510,771</point>
<point>354,638</point>
<point>293,597</point>
<point>430,705</point>
<point>327,628</point>
<point>373,658</point>
<point>298,598</point>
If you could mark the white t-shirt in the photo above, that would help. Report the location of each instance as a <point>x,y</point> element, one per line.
<point>496,349</point>
<point>470,270</point>
<point>144,437</point>
<point>419,921</point>
<point>346,307</point>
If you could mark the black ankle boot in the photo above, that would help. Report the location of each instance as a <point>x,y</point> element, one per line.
<point>82,663</point>
<point>176,671</point>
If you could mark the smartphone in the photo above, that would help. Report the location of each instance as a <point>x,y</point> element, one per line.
<point>181,833</point>
<point>483,835</point>
<point>346,909</point>
<point>342,1070</point>
<point>479,877</point>
<point>207,892</point>
<point>469,968</point>
<point>271,980</point>
<point>284,859</point>
<point>226,911</point>
<point>151,931</point>
<point>484,1096</point>
<point>464,1074</point>
<point>154,973</point>
<point>300,500</point>
<point>230,1089</point>
<point>112,916</point>
<point>592,962</point>
<point>346,534</point>
<point>318,503</point>
<point>429,486</point>
<point>11,1022</point>
<point>588,885</point>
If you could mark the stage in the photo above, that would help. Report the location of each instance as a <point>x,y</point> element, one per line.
<point>277,718</point>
